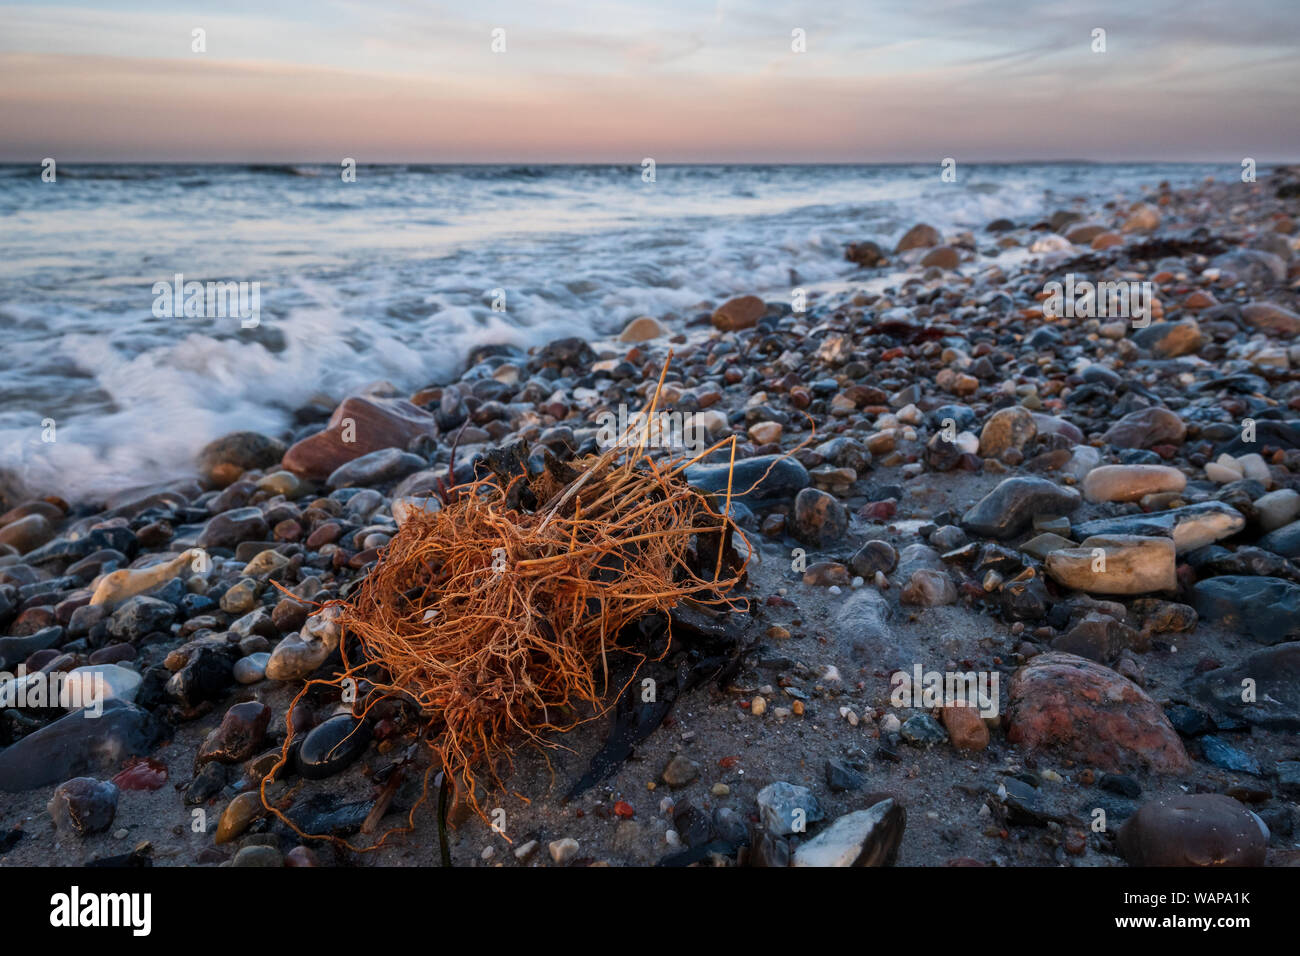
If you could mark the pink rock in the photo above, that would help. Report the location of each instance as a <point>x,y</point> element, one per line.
<point>371,424</point>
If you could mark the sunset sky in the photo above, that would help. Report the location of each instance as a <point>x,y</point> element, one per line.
<point>403,81</point>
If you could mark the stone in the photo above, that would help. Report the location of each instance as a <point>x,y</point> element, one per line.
<point>1086,712</point>
<point>73,746</point>
<point>941,257</point>
<point>297,656</point>
<point>1222,754</point>
<point>229,528</point>
<point>861,626</point>
<point>251,669</point>
<point>841,778</point>
<point>241,733</point>
<point>563,850</point>
<point>1142,217</point>
<point>1201,829</point>
<point>102,682</point>
<point>1271,318</point>
<point>754,479</point>
<point>1146,428</point>
<point>1171,339</point>
<point>819,518</point>
<point>874,556</point>
<point>117,587</point>
<point>1013,427</point>
<point>1191,527</point>
<point>239,816</point>
<point>642,329</point>
<point>1131,482</point>
<point>27,534</point>
<point>140,616</point>
<point>739,313</point>
<point>1098,637</point>
<point>1267,610</point>
<point>783,808</point>
<point>928,588</point>
<point>375,468</point>
<point>920,236</point>
<point>966,728</point>
<point>360,425</point>
<point>922,730</point>
<point>1274,676</point>
<point>680,771</point>
<point>332,745</point>
<point>83,805</point>
<point>1284,541</point>
<point>14,650</point>
<point>1010,507</point>
<point>863,838</point>
<point>265,856</point>
<point>224,459</point>
<point>1126,564</point>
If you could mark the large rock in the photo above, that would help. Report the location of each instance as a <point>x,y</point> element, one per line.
<point>83,805</point>
<point>1131,482</point>
<point>1267,610</point>
<point>361,424</point>
<point>1146,428</point>
<point>27,534</point>
<point>739,313</point>
<point>1263,690</point>
<point>1271,318</point>
<point>1010,507</point>
<point>1086,712</point>
<point>1191,527</point>
<point>1171,339</point>
<point>1195,829</point>
<point>920,236</point>
<point>1126,564</point>
<point>76,745</point>
<point>229,528</point>
<point>862,838</point>
<point>765,477</point>
<point>376,468</point>
<point>223,460</point>
<point>1284,540</point>
<point>819,518</point>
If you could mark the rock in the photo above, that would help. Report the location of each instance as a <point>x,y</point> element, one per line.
<point>1098,637</point>
<point>680,771</point>
<point>739,313</point>
<point>1115,564</point>
<point>1267,610</point>
<point>862,838</point>
<point>564,850</point>
<point>1191,527</point>
<point>1171,339</point>
<point>1131,482</point>
<point>83,805</point>
<point>941,257</point>
<point>240,597</point>
<point>1146,428</point>
<point>642,329</point>
<point>74,745</point>
<point>240,735</point>
<point>223,460</point>
<point>117,587</point>
<point>784,808</point>
<point>206,676</point>
<point>1222,754</point>
<point>1272,677</point>
<point>866,253</point>
<point>966,728</point>
<point>251,669</point>
<point>258,856</point>
<point>231,527</point>
<point>1277,508</point>
<point>754,479</point>
<point>1202,829</point>
<point>874,556</point>
<point>840,777</point>
<point>140,616</point>
<point>26,534</point>
<point>1284,541</point>
<point>922,730</point>
<point>919,236</point>
<point>928,588</point>
<point>1090,714</point>
<point>1271,318</point>
<point>99,682</point>
<point>1010,507</point>
<point>819,518</point>
<point>1013,427</point>
<point>15,650</point>
<point>376,468</point>
<point>297,656</point>
<point>861,626</point>
<point>238,816</point>
<point>1142,217</point>
<point>332,745</point>
<point>360,425</point>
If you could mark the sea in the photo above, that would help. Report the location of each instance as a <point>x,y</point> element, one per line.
<point>396,275</point>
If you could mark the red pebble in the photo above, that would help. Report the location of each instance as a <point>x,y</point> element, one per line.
<point>624,810</point>
<point>142,773</point>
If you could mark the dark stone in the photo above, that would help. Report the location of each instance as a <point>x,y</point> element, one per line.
<point>1010,507</point>
<point>1222,754</point>
<point>1267,610</point>
<point>1284,541</point>
<point>1121,784</point>
<point>205,676</point>
<point>231,527</point>
<point>83,805</point>
<point>785,478</point>
<point>139,616</point>
<point>75,745</point>
<point>15,650</point>
<point>1275,676</point>
<point>840,777</point>
<point>332,745</point>
<point>241,732</point>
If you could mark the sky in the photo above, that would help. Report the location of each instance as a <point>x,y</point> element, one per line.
<point>677,81</point>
